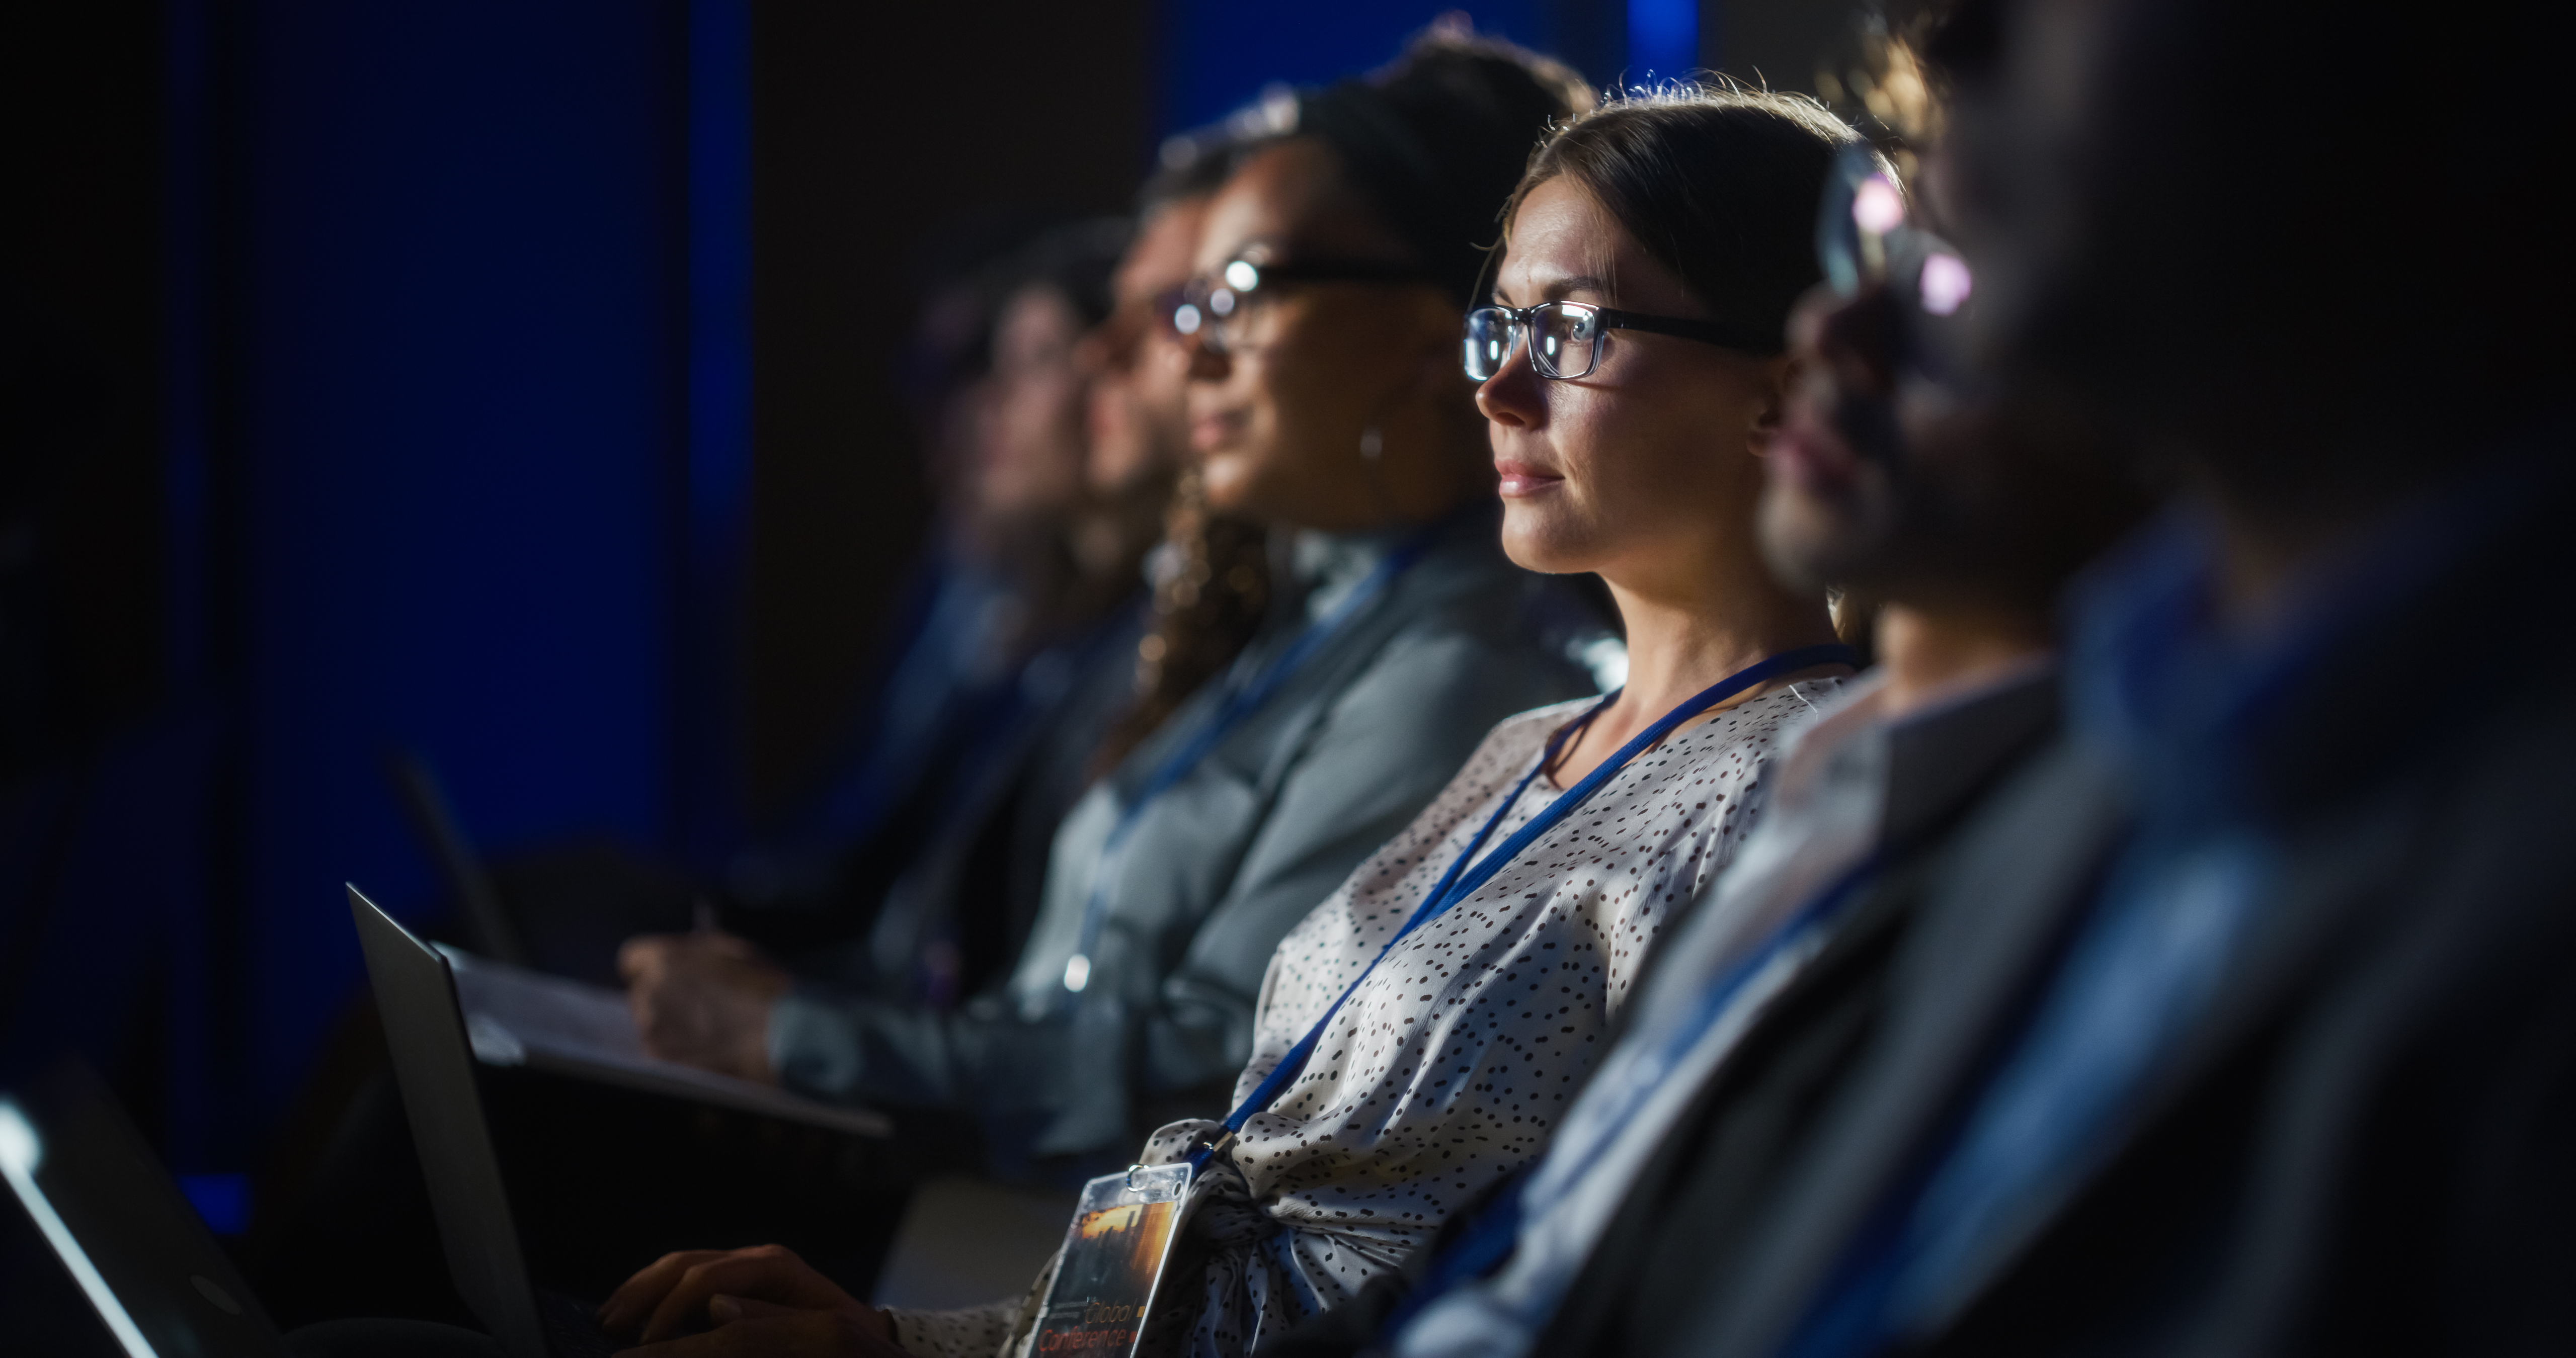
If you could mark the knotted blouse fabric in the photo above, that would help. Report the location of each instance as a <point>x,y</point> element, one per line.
<point>1450,1066</point>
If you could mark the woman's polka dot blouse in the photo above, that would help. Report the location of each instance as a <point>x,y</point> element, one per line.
<point>1449,1067</point>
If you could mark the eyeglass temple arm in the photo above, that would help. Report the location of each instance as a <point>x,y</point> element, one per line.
<point>1708,332</point>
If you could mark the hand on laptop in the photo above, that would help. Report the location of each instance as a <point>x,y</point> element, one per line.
<point>703,999</point>
<point>764,1300</point>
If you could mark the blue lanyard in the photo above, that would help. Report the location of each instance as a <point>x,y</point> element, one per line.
<point>1462,879</point>
<point>1239,705</point>
<point>1496,1230</point>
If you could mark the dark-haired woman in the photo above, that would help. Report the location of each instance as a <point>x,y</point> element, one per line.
<point>1420,1032</point>
<point>1629,390</point>
<point>1396,634</point>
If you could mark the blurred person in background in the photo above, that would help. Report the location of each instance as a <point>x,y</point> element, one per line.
<point>2244,1020</point>
<point>1398,634</point>
<point>1395,635</point>
<point>1025,617</point>
<point>1027,660</point>
<point>1068,415</point>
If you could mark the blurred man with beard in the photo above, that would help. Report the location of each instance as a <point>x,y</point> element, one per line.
<point>2244,1020</point>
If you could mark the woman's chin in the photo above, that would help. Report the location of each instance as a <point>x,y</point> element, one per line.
<point>1228,477</point>
<point>1538,541</point>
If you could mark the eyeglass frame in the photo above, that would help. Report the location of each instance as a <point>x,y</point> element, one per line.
<point>1851,253</point>
<point>1199,295</point>
<point>1606,319</point>
<point>1854,256</point>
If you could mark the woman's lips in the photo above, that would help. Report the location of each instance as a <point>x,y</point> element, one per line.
<point>1520,480</point>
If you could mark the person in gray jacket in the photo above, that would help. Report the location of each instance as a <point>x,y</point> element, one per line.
<point>1324,401</point>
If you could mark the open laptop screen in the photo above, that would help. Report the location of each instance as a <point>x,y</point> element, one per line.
<point>109,1212</point>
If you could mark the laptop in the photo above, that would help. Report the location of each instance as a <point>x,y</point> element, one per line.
<point>109,1211</point>
<point>434,1068</point>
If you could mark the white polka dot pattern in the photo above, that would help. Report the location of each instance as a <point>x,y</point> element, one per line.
<point>1449,1067</point>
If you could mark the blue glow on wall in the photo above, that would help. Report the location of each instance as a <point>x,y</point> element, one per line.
<point>1221,55</point>
<point>222,1200</point>
<point>719,429</point>
<point>461,365</point>
<point>1663,39</point>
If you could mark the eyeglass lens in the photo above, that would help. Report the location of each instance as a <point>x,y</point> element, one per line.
<point>1212,310</point>
<point>1565,339</point>
<point>1865,232</point>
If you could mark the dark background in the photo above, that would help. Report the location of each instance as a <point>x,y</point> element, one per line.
<point>516,384</point>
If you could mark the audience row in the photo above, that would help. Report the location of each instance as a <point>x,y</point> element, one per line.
<point>2022,890</point>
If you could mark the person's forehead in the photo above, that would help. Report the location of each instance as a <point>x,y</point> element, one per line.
<point>1290,198</point>
<point>1264,200</point>
<point>1561,236</point>
<point>1163,252</point>
<point>1037,315</point>
<point>1561,232</point>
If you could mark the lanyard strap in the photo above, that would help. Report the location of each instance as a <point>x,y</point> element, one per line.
<point>1245,699</point>
<point>1467,872</point>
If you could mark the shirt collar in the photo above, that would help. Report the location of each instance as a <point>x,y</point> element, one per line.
<point>1918,767</point>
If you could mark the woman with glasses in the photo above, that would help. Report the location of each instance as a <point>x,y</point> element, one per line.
<point>1422,1031</point>
<point>1419,1033</point>
<point>1395,635</point>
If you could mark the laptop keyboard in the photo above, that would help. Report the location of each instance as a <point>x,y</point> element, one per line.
<point>571,1330</point>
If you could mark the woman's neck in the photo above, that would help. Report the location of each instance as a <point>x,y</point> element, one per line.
<point>1677,648</point>
<point>1681,643</point>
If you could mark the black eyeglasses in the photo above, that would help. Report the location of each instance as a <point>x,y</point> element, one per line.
<point>1565,337</point>
<point>1215,311</point>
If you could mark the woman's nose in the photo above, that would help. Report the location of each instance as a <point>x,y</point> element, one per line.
<point>1515,395</point>
<point>1207,363</point>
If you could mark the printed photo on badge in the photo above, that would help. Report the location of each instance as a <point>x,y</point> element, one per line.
<point>1113,1259</point>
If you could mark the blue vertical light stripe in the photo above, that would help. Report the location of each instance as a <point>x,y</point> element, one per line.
<point>462,390</point>
<point>719,264</point>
